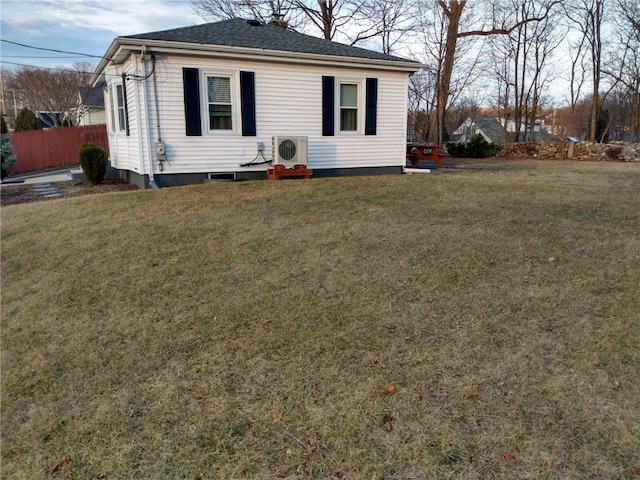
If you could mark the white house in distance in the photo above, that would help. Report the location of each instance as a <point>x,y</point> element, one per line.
<point>207,101</point>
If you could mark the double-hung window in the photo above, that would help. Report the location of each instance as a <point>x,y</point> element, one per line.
<point>219,101</point>
<point>348,107</point>
<point>118,117</point>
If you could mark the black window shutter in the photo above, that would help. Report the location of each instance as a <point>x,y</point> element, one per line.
<point>328,106</point>
<point>248,103</point>
<point>371,110</point>
<point>126,106</point>
<point>191,84</point>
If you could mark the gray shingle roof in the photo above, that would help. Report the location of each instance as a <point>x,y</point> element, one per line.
<point>92,97</point>
<point>237,32</point>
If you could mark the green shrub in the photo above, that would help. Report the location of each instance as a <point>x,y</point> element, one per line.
<point>25,121</point>
<point>93,161</point>
<point>477,147</point>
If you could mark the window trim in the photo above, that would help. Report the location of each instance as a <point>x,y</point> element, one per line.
<point>360,106</point>
<point>117,123</point>
<point>234,87</point>
<point>112,118</point>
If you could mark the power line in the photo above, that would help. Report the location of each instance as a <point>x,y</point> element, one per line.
<point>59,69</point>
<point>51,49</point>
<point>37,56</point>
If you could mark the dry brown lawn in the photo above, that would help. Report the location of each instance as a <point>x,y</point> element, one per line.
<point>472,325</point>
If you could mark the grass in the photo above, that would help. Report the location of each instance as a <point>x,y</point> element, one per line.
<point>250,330</point>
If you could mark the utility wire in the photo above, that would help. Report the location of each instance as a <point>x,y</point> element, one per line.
<point>59,69</point>
<point>115,75</point>
<point>51,49</point>
<point>37,56</point>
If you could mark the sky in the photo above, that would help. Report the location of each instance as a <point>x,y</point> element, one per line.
<point>82,26</point>
<point>89,26</point>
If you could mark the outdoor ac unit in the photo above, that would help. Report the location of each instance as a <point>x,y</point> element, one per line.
<point>289,151</point>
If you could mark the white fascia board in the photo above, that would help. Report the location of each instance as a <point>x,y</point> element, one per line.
<point>98,76</point>
<point>121,47</point>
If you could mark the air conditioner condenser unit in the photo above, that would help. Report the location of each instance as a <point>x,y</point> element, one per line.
<point>289,151</point>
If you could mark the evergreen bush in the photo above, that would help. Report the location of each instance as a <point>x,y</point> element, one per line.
<point>93,161</point>
<point>25,121</point>
<point>7,156</point>
<point>477,147</point>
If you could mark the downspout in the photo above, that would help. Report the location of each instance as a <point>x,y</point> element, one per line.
<point>138,102</point>
<point>148,126</point>
<point>155,99</point>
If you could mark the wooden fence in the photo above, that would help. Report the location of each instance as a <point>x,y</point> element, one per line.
<point>55,147</point>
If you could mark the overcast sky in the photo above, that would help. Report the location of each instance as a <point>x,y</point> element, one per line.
<point>84,26</point>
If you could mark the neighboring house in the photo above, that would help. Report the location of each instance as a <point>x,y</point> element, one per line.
<point>205,101</point>
<point>493,130</point>
<point>90,109</point>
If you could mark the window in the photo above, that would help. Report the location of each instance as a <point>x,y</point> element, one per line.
<point>219,103</point>
<point>348,107</point>
<point>112,122</point>
<point>225,101</point>
<point>121,115</point>
<point>118,116</point>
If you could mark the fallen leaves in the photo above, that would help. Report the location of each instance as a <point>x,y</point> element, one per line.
<point>199,476</point>
<point>388,390</point>
<point>508,457</point>
<point>63,464</point>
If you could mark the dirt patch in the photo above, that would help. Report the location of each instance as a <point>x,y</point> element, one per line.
<point>25,193</point>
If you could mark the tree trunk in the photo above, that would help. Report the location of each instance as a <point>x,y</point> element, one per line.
<point>453,12</point>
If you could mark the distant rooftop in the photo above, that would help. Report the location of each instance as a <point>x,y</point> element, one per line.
<point>92,97</point>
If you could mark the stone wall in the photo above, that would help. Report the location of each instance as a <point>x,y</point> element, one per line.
<point>612,152</point>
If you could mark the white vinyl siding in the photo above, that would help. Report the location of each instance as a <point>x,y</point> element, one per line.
<point>288,102</point>
<point>128,152</point>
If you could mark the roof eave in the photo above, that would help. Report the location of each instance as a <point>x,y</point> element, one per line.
<point>121,47</point>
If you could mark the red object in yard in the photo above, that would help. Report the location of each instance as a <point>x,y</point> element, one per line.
<point>279,171</point>
<point>417,152</point>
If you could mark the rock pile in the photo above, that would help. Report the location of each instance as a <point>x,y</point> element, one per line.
<point>612,152</point>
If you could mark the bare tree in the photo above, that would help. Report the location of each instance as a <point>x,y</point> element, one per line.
<point>349,21</point>
<point>587,17</point>
<point>52,91</point>
<point>327,17</point>
<point>524,55</point>
<point>386,20</point>
<point>453,14</point>
<point>224,9</point>
<point>623,69</point>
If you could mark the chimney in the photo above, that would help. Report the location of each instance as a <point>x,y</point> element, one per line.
<point>277,20</point>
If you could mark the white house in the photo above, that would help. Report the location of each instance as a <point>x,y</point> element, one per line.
<point>207,101</point>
